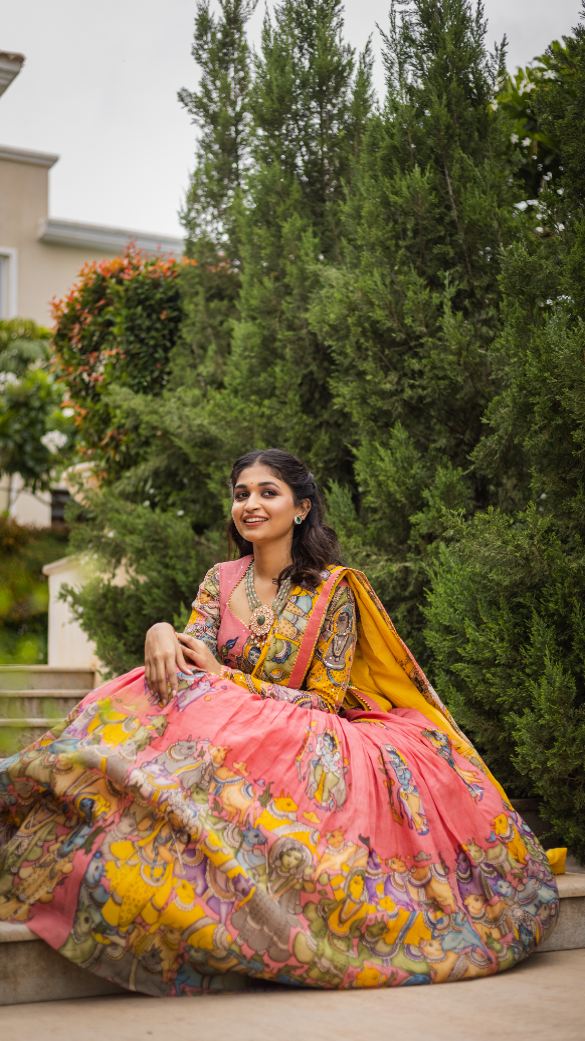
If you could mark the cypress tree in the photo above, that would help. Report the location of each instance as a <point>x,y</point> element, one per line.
<point>309,104</point>
<point>220,110</point>
<point>411,313</point>
<point>506,617</point>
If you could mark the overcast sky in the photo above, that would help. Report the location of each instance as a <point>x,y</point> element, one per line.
<point>100,83</point>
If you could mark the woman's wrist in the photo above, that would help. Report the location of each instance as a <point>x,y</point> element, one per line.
<point>162,625</point>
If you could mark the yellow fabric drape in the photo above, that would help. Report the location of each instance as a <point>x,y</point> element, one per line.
<point>384,670</point>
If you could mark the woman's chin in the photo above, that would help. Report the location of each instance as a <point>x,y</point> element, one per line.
<point>254,535</point>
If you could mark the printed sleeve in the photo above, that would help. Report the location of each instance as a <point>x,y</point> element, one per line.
<point>205,619</point>
<point>328,676</point>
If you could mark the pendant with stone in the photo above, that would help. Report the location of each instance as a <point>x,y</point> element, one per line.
<point>261,622</point>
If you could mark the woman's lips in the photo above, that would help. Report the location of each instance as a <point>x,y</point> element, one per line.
<point>254,521</point>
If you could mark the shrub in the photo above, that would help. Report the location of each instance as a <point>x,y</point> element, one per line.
<point>36,433</point>
<point>24,591</point>
<point>116,329</point>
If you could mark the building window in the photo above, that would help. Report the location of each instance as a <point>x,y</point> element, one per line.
<point>59,498</point>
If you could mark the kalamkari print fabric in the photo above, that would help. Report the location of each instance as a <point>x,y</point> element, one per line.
<point>232,839</point>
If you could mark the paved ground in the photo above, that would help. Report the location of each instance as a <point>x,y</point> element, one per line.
<point>541,1000</point>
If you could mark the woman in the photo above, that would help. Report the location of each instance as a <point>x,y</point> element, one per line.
<point>279,795</point>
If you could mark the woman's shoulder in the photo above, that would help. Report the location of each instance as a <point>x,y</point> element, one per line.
<point>229,571</point>
<point>210,583</point>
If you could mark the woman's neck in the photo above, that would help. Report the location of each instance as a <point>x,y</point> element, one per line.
<point>270,560</point>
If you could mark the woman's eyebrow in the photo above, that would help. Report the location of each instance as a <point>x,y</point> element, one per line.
<point>261,484</point>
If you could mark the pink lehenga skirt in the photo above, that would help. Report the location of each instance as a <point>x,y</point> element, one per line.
<point>226,840</point>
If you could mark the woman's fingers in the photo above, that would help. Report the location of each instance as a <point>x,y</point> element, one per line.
<point>191,646</point>
<point>171,670</point>
<point>150,676</point>
<point>191,651</point>
<point>187,640</point>
<point>161,679</point>
<point>199,651</point>
<point>188,644</point>
<point>184,666</point>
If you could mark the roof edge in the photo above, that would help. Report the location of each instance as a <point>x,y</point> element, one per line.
<point>22,155</point>
<point>10,65</point>
<point>56,232</point>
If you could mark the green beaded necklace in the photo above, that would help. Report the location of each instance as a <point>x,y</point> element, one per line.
<point>262,617</point>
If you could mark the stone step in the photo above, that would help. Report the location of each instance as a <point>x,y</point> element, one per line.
<point>31,721</point>
<point>30,970</point>
<point>75,694</point>
<point>45,678</point>
<point>15,739</point>
<point>34,698</point>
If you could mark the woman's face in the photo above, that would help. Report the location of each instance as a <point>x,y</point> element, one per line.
<point>264,509</point>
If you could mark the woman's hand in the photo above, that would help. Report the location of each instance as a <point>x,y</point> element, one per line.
<point>163,655</point>
<point>200,653</point>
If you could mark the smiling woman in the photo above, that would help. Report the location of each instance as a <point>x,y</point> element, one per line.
<point>293,803</point>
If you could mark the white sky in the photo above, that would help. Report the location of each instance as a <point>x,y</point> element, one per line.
<point>100,82</point>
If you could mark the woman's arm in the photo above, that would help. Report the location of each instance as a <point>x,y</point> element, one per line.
<point>205,619</point>
<point>328,676</point>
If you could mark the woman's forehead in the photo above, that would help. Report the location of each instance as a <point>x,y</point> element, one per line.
<point>258,474</point>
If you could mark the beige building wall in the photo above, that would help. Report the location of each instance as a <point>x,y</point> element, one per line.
<point>68,644</point>
<point>24,506</point>
<point>41,256</point>
<point>41,271</point>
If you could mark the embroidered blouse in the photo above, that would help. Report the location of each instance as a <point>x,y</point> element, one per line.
<point>232,643</point>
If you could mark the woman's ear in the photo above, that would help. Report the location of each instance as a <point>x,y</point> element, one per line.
<point>305,508</point>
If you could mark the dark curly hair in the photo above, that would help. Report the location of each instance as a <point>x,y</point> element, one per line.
<point>315,545</point>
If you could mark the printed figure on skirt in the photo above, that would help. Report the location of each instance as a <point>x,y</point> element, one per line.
<point>278,795</point>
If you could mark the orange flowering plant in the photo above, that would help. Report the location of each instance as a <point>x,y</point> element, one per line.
<point>116,329</point>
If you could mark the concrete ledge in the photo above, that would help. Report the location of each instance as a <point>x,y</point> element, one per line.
<point>15,932</point>
<point>569,934</point>
<point>571,884</point>
<point>32,971</point>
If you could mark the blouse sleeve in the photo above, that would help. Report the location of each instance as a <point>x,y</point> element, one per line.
<point>204,621</point>
<point>328,676</point>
